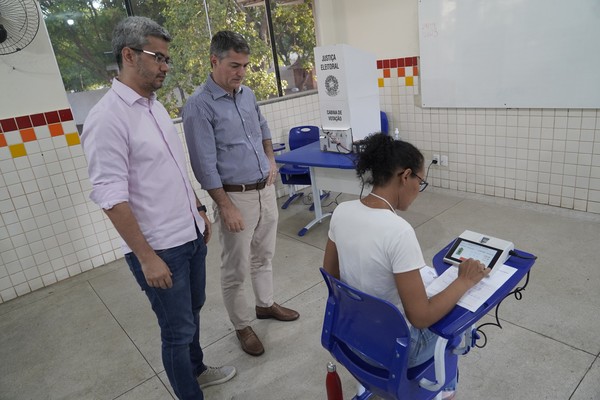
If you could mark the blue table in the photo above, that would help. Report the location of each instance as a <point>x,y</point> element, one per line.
<point>311,156</point>
<point>460,319</point>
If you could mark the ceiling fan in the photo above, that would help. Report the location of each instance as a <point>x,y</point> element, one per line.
<point>19,24</point>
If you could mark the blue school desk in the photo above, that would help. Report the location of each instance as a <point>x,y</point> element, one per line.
<point>460,319</point>
<point>333,171</point>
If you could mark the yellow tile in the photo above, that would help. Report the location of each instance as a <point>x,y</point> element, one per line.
<point>17,150</point>
<point>380,82</point>
<point>72,138</point>
<point>409,81</point>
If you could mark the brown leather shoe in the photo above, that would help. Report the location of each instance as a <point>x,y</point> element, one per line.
<point>277,312</point>
<point>250,342</point>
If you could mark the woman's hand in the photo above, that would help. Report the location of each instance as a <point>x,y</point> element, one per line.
<point>472,271</point>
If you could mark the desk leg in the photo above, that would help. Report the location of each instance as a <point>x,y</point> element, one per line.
<point>316,193</point>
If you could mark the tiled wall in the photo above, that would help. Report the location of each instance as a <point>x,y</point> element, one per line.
<point>31,134</point>
<point>398,72</point>
<point>49,229</point>
<point>544,156</point>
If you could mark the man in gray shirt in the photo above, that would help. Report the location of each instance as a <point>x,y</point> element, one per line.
<point>232,157</point>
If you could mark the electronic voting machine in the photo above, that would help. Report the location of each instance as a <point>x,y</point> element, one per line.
<point>490,251</point>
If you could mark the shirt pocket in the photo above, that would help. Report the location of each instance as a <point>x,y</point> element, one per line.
<point>251,123</point>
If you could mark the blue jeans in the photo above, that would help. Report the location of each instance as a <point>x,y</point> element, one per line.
<point>178,312</point>
<point>422,347</point>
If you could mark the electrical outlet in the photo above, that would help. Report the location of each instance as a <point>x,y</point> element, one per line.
<point>436,158</point>
<point>444,161</point>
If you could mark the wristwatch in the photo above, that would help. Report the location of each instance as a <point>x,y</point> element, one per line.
<point>202,208</point>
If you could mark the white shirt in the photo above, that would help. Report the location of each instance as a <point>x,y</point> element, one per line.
<point>372,245</point>
<point>135,155</point>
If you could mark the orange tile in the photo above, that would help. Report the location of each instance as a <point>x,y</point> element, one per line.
<point>409,81</point>
<point>17,150</point>
<point>2,140</point>
<point>401,71</point>
<point>380,82</point>
<point>28,135</point>
<point>415,71</point>
<point>72,138</point>
<point>386,72</point>
<point>56,129</point>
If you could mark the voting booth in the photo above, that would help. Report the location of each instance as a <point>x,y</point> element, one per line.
<point>348,96</point>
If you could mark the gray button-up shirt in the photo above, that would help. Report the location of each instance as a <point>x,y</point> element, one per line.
<point>225,136</point>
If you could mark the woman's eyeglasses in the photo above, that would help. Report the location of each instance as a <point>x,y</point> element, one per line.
<point>422,182</point>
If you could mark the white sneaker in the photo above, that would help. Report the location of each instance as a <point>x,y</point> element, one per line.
<point>448,394</point>
<point>215,375</point>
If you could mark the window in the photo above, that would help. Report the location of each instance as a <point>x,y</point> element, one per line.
<point>81,31</point>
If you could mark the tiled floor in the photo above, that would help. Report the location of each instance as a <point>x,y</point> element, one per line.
<point>95,337</point>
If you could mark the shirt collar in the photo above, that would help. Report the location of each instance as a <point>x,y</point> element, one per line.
<point>130,96</point>
<point>216,90</point>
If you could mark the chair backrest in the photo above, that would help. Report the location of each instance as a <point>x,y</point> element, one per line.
<point>384,122</point>
<point>303,135</point>
<point>367,335</point>
<point>370,337</point>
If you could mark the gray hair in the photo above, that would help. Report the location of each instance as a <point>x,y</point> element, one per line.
<point>223,41</point>
<point>133,32</point>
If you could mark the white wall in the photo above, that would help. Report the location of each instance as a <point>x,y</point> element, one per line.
<point>387,28</point>
<point>545,156</point>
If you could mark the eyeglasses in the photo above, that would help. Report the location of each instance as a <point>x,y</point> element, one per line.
<point>422,182</point>
<point>158,57</point>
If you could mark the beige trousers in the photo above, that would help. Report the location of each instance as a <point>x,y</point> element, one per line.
<point>250,250</point>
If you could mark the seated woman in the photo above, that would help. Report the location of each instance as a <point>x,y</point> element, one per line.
<point>375,250</point>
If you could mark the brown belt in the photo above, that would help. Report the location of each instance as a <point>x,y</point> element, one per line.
<point>245,188</point>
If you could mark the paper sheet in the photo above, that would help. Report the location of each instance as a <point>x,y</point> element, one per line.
<point>478,294</point>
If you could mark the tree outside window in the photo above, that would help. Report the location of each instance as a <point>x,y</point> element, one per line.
<point>81,30</point>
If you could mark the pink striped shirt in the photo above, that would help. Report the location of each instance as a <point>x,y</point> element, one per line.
<point>135,155</point>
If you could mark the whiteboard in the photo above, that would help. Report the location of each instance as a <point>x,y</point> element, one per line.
<point>510,53</point>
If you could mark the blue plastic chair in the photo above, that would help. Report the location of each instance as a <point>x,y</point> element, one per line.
<point>371,339</point>
<point>292,175</point>
<point>385,127</point>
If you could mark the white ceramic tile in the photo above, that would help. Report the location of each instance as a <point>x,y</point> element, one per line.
<point>30,186</point>
<point>4,195</point>
<point>41,258</point>
<point>49,279</point>
<point>6,206</point>
<point>18,240</point>
<point>40,172</point>
<point>13,266</point>
<point>61,274</point>
<point>53,168</point>
<point>14,228</point>
<point>59,142</point>
<point>18,278</point>
<point>27,262</point>
<point>67,165</point>
<point>32,148</point>
<point>573,122</point>
<point>46,144</point>
<point>34,198</point>
<point>3,271</point>
<point>35,284</point>
<point>42,221</point>
<point>50,243</point>
<point>5,283</point>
